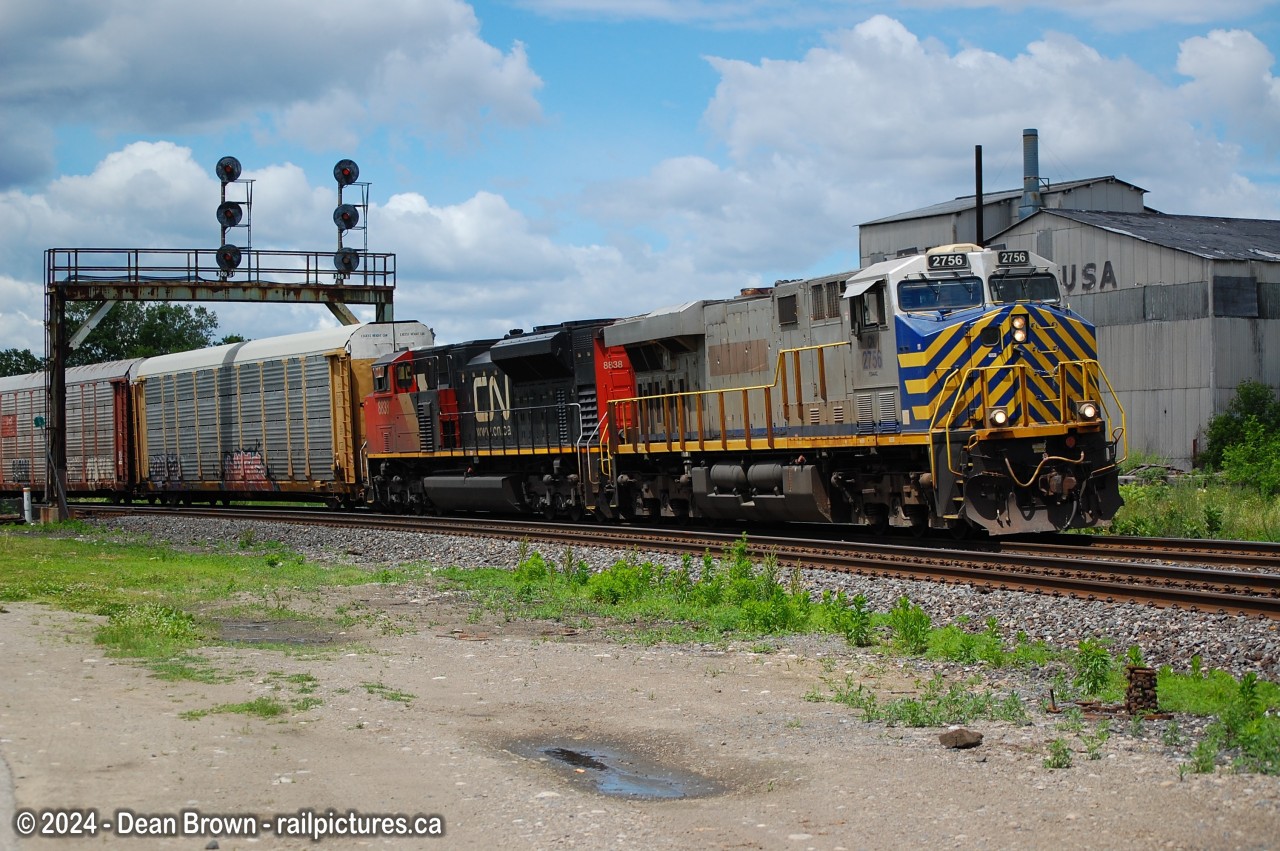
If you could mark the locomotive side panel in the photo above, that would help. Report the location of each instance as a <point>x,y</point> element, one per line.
<point>507,426</point>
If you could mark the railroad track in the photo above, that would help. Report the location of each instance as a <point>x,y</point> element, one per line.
<point>1201,576</point>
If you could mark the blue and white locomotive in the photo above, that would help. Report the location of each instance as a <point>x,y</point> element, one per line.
<point>950,389</point>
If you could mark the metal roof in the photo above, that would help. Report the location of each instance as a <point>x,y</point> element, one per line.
<point>371,339</point>
<point>1211,237</point>
<point>74,375</point>
<point>965,202</point>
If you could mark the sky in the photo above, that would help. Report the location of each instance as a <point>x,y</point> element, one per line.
<point>533,161</point>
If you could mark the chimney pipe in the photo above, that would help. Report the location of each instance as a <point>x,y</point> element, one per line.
<point>1031,201</point>
<point>978,236</point>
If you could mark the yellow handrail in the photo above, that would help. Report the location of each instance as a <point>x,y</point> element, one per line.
<point>641,419</point>
<point>963,385</point>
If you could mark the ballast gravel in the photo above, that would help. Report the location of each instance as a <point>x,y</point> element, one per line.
<point>1166,637</point>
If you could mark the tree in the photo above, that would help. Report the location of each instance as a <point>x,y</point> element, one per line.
<point>19,362</point>
<point>139,330</point>
<point>1254,402</point>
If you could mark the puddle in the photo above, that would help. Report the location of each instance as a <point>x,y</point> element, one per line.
<point>270,632</point>
<point>611,770</point>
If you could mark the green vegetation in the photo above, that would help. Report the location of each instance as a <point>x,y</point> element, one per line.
<point>259,707</point>
<point>937,705</point>
<point>1059,755</point>
<point>157,605</point>
<point>1235,496</point>
<point>388,693</point>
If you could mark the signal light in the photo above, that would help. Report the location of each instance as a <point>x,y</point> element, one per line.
<point>346,259</point>
<point>346,216</point>
<point>228,169</point>
<point>229,214</point>
<point>346,172</point>
<point>228,257</point>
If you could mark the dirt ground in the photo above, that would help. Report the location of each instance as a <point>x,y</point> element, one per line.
<point>508,731</point>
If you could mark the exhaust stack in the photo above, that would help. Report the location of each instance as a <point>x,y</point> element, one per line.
<point>1031,201</point>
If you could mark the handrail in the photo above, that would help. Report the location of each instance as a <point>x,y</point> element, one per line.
<point>978,381</point>
<point>641,421</point>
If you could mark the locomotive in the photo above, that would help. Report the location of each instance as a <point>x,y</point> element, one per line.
<point>951,389</point>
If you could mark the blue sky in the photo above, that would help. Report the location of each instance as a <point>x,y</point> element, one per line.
<point>539,160</point>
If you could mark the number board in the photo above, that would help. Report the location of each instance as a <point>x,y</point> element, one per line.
<point>1013,258</point>
<point>948,261</point>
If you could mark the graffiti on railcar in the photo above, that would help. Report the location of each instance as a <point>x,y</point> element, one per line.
<point>164,467</point>
<point>94,468</point>
<point>20,470</point>
<point>245,466</point>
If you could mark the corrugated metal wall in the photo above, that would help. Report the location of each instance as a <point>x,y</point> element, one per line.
<point>253,422</point>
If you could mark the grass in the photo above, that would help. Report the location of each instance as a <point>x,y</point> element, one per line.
<point>148,592</point>
<point>1197,505</point>
<point>148,595</point>
<point>388,693</point>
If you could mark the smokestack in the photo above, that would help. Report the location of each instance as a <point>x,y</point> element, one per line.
<point>1030,174</point>
<point>978,236</point>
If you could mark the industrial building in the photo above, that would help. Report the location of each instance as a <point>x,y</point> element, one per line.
<point>1186,307</point>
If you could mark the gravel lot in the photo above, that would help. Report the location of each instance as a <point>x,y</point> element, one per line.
<point>501,728</point>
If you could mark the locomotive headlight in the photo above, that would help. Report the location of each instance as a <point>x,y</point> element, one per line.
<point>998,417</point>
<point>1019,329</point>
<point>1087,410</point>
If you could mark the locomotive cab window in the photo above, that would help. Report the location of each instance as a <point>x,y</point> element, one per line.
<point>939,294</point>
<point>867,310</point>
<point>380,379</point>
<point>1007,287</point>
<point>404,376</point>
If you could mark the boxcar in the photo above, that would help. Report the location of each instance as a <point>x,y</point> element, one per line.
<point>99,431</point>
<point>273,418</point>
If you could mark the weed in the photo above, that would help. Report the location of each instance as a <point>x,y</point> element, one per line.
<point>148,630</point>
<point>1093,743</point>
<point>1059,755</point>
<point>260,707</point>
<point>388,693</point>
<point>1093,666</point>
<point>1072,720</point>
<point>1172,735</point>
<point>910,625</point>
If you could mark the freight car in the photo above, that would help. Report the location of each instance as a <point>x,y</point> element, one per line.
<point>273,418</point>
<point>98,429</point>
<point>951,390</point>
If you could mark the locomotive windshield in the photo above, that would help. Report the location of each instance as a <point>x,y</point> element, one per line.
<point>946,294</point>
<point>1037,286</point>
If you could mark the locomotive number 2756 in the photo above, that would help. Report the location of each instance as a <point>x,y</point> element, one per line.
<point>871,359</point>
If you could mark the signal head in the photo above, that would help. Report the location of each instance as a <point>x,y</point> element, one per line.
<point>346,172</point>
<point>227,169</point>
<point>346,216</point>
<point>346,259</point>
<point>229,214</point>
<point>228,257</point>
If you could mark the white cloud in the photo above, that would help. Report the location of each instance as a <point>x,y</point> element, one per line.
<point>1107,14</point>
<point>318,72</point>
